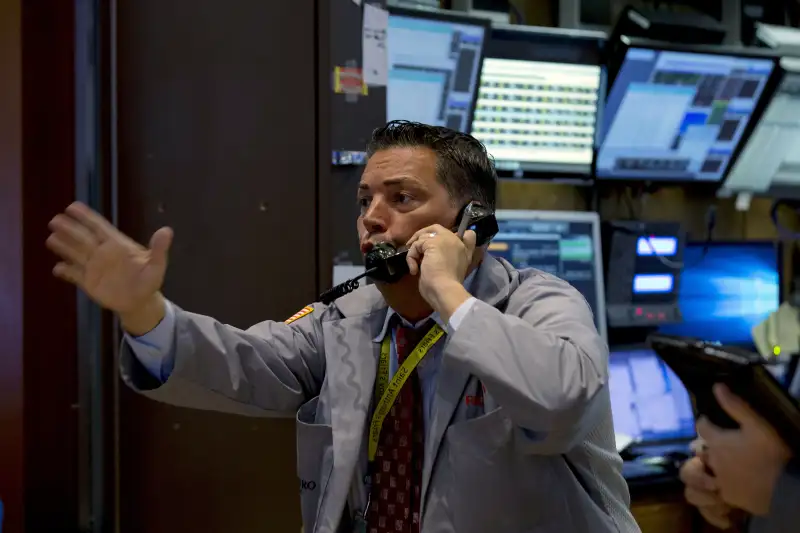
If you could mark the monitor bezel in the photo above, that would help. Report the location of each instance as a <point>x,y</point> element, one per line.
<point>559,172</point>
<point>773,191</point>
<point>615,63</point>
<point>441,15</point>
<point>573,216</point>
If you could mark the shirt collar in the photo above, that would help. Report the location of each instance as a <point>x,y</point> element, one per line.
<point>435,316</point>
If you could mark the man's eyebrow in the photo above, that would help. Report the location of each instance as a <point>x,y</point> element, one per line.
<point>391,182</point>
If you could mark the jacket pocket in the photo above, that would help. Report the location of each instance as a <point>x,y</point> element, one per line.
<point>314,461</point>
<point>489,430</point>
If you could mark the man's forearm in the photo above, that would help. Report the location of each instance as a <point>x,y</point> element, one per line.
<point>145,318</point>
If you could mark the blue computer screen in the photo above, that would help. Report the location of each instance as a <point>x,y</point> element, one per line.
<point>648,401</point>
<point>723,295</point>
<point>677,115</point>
<point>564,248</point>
<point>434,70</point>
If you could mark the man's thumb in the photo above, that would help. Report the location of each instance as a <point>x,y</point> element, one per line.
<point>159,245</point>
<point>736,408</point>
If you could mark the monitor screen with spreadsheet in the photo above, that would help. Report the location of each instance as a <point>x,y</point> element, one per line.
<point>770,161</point>
<point>727,292</point>
<point>563,243</point>
<point>539,98</point>
<point>434,66</point>
<point>679,115</point>
<point>648,401</point>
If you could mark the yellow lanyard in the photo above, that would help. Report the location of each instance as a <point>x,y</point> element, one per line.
<point>387,390</point>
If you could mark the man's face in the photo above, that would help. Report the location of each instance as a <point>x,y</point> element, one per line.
<point>399,195</point>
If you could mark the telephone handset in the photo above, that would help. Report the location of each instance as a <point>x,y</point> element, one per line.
<point>385,263</point>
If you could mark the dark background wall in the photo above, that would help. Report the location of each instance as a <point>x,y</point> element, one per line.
<point>38,333</point>
<point>217,139</point>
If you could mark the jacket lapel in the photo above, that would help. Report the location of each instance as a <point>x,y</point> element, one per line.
<point>351,366</point>
<point>494,282</point>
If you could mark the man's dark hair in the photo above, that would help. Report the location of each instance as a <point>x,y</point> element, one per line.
<point>462,164</point>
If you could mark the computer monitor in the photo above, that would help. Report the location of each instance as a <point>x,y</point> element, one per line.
<point>540,95</point>
<point>727,292</point>
<point>648,401</point>
<point>677,113</point>
<point>434,66</point>
<point>563,243</point>
<point>769,163</point>
<point>641,280</point>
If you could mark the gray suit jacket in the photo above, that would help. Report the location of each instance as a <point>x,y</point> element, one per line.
<point>537,456</point>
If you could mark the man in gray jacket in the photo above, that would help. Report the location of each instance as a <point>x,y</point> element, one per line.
<point>498,419</point>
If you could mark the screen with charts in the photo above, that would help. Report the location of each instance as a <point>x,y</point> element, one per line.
<point>678,116</point>
<point>563,243</point>
<point>538,100</point>
<point>771,157</point>
<point>725,294</point>
<point>648,401</point>
<point>434,68</point>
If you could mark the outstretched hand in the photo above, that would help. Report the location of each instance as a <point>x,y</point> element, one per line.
<point>116,272</point>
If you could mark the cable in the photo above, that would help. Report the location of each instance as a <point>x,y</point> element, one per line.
<point>711,222</point>
<point>781,229</point>
<point>341,289</point>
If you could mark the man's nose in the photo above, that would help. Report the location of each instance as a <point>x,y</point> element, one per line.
<point>375,217</point>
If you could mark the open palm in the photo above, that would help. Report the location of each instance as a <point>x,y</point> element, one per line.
<point>115,271</point>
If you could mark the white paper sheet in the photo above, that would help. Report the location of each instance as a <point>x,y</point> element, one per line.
<point>375,62</point>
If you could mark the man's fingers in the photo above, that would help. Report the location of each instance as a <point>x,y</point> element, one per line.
<point>702,498</point>
<point>715,517</point>
<point>99,226</point>
<point>425,232</point>
<point>67,228</point>
<point>693,474</point>
<point>66,249</point>
<point>68,272</point>
<point>414,257</point>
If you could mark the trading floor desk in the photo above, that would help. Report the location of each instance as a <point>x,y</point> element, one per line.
<point>660,507</point>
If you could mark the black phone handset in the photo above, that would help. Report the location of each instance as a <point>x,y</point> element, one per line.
<point>386,264</point>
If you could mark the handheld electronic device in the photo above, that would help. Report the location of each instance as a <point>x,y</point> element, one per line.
<point>701,364</point>
<point>387,264</point>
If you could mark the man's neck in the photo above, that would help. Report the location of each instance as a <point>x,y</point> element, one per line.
<point>404,298</point>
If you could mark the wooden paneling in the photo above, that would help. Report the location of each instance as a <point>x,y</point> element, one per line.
<point>51,326</point>
<point>38,340</point>
<point>11,265</point>
<point>217,139</point>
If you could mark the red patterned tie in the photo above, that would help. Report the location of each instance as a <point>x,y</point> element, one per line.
<point>397,476</point>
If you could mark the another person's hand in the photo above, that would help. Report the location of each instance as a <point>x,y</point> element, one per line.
<point>113,270</point>
<point>746,462</point>
<point>702,492</point>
